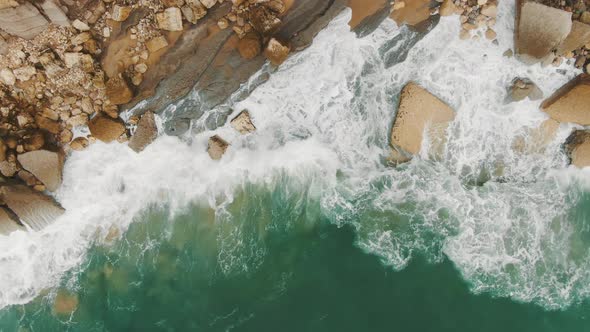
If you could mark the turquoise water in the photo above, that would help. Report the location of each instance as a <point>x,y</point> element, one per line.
<point>278,264</point>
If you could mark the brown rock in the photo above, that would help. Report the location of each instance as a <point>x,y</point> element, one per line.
<point>118,91</point>
<point>8,168</point>
<point>243,123</point>
<point>217,147</point>
<point>156,44</point>
<point>34,142</point>
<point>120,13</point>
<point>276,52</point>
<point>249,46</point>
<point>46,124</point>
<point>145,134</point>
<point>65,303</point>
<point>45,165</point>
<point>412,13</point>
<point>264,20</point>
<point>2,150</point>
<point>447,8</point>
<point>170,19</point>
<point>571,103</point>
<point>418,109</point>
<point>79,143</point>
<point>33,209</point>
<point>539,29</point>
<point>578,37</point>
<point>578,148</point>
<point>106,128</point>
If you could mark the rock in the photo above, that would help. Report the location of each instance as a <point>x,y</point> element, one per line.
<point>33,209</point>
<point>276,52</point>
<point>120,13</point>
<point>54,13</point>
<point>8,4</point>
<point>539,29</point>
<point>118,91</point>
<point>106,128</point>
<point>7,76</point>
<point>522,88</point>
<point>250,46</point>
<point>25,73</point>
<point>577,147</point>
<point>81,26</point>
<point>27,178</point>
<point>571,103</point>
<point>535,140</point>
<point>490,34</point>
<point>72,59</point>
<point>170,19</point>
<point>243,123</point>
<point>490,10</point>
<point>508,53</point>
<point>223,24</point>
<point>65,303</point>
<point>2,150</point>
<point>81,38</point>
<point>412,13</point>
<point>79,143</point>
<point>217,147</point>
<point>145,134</point>
<point>24,21</point>
<point>447,8</point>
<point>34,142</point>
<point>45,165</point>
<point>8,222</point>
<point>8,168</point>
<point>264,20</point>
<point>208,3</point>
<point>49,125</point>
<point>578,37</point>
<point>418,110</point>
<point>585,17</point>
<point>156,43</point>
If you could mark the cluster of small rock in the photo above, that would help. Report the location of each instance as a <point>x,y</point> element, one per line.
<point>475,14</point>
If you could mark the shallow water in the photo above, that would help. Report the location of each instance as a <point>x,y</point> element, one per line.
<point>303,226</point>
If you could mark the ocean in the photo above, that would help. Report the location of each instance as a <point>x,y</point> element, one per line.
<point>304,226</point>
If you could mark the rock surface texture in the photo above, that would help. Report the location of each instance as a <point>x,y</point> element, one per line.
<point>217,147</point>
<point>571,103</point>
<point>243,123</point>
<point>578,148</point>
<point>522,88</point>
<point>146,132</point>
<point>45,166</point>
<point>32,208</point>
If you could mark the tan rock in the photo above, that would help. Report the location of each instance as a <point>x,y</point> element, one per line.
<point>8,4</point>
<point>571,103</point>
<point>490,34</point>
<point>25,73</point>
<point>81,38</point>
<point>412,13</point>
<point>243,123</point>
<point>24,21</point>
<point>8,223</point>
<point>7,76</point>
<point>208,3</point>
<point>490,10</point>
<point>27,178</point>
<point>34,142</point>
<point>65,303</point>
<point>79,143</point>
<point>8,168</point>
<point>249,47</point>
<point>170,19</point>
<point>54,12</point>
<point>276,52</point>
<point>118,91</point>
<point>578,148</point>
<point>106,128</point>
<point>156,44</point>
<point>223,24</point>
<point>522,88</point>
<point>2,150</point>
<point>447,8</point>
<point>217,147</point>
<point>79,25</point>
<point>45,165</point>
<point>585,17</point>
<point>418,111</point>
<point>46,124</point>
<point>145,134</point>
<point>33,209</point>
<point>539,29</point>
<point>72,59</point>
<point>578,37</point>
<point>120,13</point>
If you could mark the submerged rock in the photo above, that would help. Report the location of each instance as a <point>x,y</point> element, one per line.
<point>571,103</point>
<point>578,148</point>
<point>539,30</point>
<point>276,52</point>
<point>44,165</point>
<point>243,123</point>
<point>145,134</point>
<point>418,111</point>
<point>32,208</point>
<point>65,303</point>
<point>522,88</point>
<point>217,147</point>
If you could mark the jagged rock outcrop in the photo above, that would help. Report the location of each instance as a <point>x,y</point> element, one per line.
<point>243,123</point>
<point>578,148</point>
<point>571,103</point>
<point>522,88</point>
<point>45,165</point>
<point>419,111</point>
<point>106,128</point>
<point>33,209</point>
<point>145,134</point>
<point>578,37</point>
<point>217,147</point>
<point>539,29</point>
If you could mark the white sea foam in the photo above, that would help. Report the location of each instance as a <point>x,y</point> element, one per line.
<point>328,109</point>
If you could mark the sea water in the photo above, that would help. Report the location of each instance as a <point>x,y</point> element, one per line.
<point>304,226</point>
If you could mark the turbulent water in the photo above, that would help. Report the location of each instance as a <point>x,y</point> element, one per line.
<point>170,240</point>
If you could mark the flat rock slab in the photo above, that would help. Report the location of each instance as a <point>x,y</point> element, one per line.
<point>419,110</point>
<point>106,128</point>
<point>571,103</point>
<point>33,209</point>
<point>539,29</point>
<point>578,37</point>
<point>145,134</point>
<point>44,165</point>
<point>24,21</point>
<point>412,13</point>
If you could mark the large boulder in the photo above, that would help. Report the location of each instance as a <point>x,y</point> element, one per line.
<point>578,37</point>
<point>571,103</point>
<point>33,209</point>
<point>217,147</point>
<point>539,29</point>
<point>419,112</point>
<point>578,148</point>
<point>106,128</point>
<point>45,165</point>
<point>146,132</point>
<point>8,222</point>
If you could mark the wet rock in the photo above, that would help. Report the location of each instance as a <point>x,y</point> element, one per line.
<point>33,209</point>
<point>24,21</point>
<point>448,8</point>
<point>177,126</point>
<point>118,91</point>
<point>535,140</point>
<point>8,168</point>
<point>276,52</point>
<point>578,37</point>
<point>578,148</point>
<point>412,13</point>
<point>8,222</point>
<point>522,88</point>
<point>539,29</point>
<point>106,128</point>
<point>170,19</point>
<point>250,46</point>
<point>217,147</point>
<point>49,125</point>
<point>145,134</point>
<point>8,4</point>
<point>65,303</point>
<point>157,43</point>
<point>45,165</point>
<point>7,76</point>
<point>571,103</point>
<point>79,143</point>
<point>243,123</point>
<point>120,13</point>
<point>264,20</point>
<point>418,110</point>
